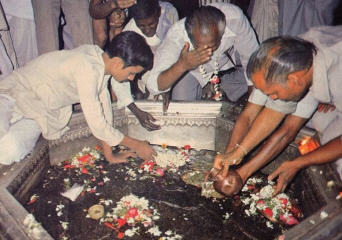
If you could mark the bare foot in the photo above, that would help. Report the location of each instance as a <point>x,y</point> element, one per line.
<point>120,157</point>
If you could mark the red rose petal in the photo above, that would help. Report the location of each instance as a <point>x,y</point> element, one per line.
<point>268,212</point>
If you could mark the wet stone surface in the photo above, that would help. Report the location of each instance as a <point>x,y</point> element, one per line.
<point>181,207</point>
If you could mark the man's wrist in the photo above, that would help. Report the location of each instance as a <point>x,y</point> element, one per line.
<point>181,66</point>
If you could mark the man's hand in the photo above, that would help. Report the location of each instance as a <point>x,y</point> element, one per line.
<point>124,3</point>
<point>192,59</point>
<point>118,157</point>
<point>146,119</point>
<point>323,107</point>
<point>222,162</point>
<point>144,150</point>
<point>229,159</point>
<point>285,173</point>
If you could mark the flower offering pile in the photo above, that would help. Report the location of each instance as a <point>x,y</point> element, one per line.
<point>166,160</point>
<point>132,215</point>
<point>279,208</point>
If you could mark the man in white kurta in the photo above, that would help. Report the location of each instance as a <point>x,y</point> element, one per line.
<point>270,104</point>
<point>157,27</point>
<point>238,37</point>
<point>44,90</point>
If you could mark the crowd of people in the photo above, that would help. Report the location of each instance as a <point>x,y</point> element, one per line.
<point>112,47</point>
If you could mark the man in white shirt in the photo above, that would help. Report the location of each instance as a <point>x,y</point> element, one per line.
<point>291,77</point>
<point>195,48</point>
<point>151,19</point>
<point>38,97</point>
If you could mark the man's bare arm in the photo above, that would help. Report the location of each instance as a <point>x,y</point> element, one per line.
<point>243,124</point>
<point>263,125</point>
<point>273,146</point>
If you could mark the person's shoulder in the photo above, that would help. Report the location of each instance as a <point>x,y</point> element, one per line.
<point>230,10</point>
<point>89,55</point>
<point>323,35</point>
<point>166,5</point>
<point>178,26</point>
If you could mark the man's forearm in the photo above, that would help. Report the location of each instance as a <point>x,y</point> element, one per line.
<point>99,9</point>
<point>275,144</point>
<point>265,123</point>
<point>324,154</point>
<point>133,108</point>
<point>243,124</point>
<point>168,77</point>
<point>240,130</point>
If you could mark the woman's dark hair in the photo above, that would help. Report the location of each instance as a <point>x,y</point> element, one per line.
<point>132,49</point>
<point>280,56</point>
<point>144,9</point>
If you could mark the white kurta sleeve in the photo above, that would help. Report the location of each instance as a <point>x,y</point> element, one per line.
<point>97,114</point>
<point>306,106</point>
<point>122,91</point>
<point>259,98</point>
<point>166,55</point>
<point>170,12</point>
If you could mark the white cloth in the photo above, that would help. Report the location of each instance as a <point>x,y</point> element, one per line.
<point>265,19</point>
<point>46,88</point>
<point>20,19</point>
<point>25,47</point>
<point>238,34</point>
<point>18,8</point>
<point>298,16</point>
<point>8,59</point>
<point>17,136</point>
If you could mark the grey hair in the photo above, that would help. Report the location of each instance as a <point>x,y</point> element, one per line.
<point>280,56</point>
<point>204,18</point>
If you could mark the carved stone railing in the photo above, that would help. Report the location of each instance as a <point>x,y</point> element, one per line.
<point>184,123</point>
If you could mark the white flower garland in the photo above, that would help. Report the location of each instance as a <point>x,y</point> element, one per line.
<point>214,79</point>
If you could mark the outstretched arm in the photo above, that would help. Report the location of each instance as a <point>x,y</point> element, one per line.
<point>273,146</point>
<point>261,127</point>
<point>324,154</point>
